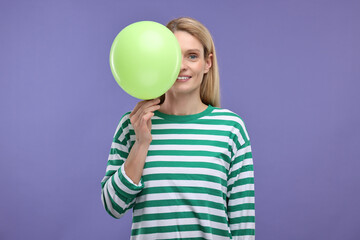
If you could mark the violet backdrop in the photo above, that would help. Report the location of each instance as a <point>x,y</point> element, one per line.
<point>290,69</point>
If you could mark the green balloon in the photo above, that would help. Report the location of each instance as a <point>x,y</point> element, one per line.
<point>145,59</point>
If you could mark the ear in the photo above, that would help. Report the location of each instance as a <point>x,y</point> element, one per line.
<point>208,63</point>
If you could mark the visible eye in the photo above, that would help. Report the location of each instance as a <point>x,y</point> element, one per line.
<point>193,56</point>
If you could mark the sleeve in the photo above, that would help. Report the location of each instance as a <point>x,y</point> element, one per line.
<point>118,190</point>
<point>241,194</point>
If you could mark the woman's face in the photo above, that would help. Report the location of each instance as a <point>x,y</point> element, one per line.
<point>193,65</point>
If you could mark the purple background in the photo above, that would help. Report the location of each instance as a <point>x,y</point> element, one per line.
<point>290,69</point>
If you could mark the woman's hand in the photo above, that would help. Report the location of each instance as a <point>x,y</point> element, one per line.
<point>140,119</point>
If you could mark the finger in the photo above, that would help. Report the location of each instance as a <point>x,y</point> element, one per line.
<point>150,103</point>
<point>152,108</point>
<point>147,117</point>
<point>143,108</point>
<point>149,125</point>
<point>136,108</point>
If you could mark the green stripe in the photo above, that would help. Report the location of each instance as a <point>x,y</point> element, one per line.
<point>248,193</point>
<point>242,219</point>
<point>179,202</point>
<point>115,162</point>
<point>110,173</point>
<point>176,215</point>
<point>115,206</point>
<point>214,113</point>
<point>179,228</point>
<point>246,168</point>
<point>241,158</point>
<point>126,197</point>
<point>129,184</point>
<point>242,181</point>
<point>242,232</point>
<point>121,153</point>
<point>244,206</point>
<point>124,125</point>
<point>191,142</point>
<point>105,205</point>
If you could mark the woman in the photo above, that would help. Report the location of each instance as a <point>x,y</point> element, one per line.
<point>181,162</point>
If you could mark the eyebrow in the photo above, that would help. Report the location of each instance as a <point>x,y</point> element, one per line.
<point>193,50</point>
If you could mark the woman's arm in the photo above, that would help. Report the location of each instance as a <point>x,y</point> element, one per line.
<point>122,181</point>
<point>140,119</point>
<point>241,194</point>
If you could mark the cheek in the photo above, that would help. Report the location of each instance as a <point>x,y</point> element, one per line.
<point>199,68</point>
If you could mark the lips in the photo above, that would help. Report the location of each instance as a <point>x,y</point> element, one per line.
<point>183,78</point>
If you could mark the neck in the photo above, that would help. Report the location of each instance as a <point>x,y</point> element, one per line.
<point>182,105</point>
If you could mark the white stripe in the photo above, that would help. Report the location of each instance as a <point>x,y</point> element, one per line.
<point>243,151</point>
<point>115,157</point>
<point>222,117</point>
<point>116,199</point>
<point>192,126</point>
<point>239,165</point>
<point>219,110</point>
<point>199,159</point>
<point>180,170</point>
<point>125,131</point>
<point>170,235</point>
<point>245,237</point>
<point>120,185</point>
<point>180,221</point>
<point>175,195</point>
<point>120,147</point>
<point>123,119</point>
<point>127,177</point>
<point>105,178</point>
<point>108,201</point>
<point>241,213</point>
<point>242,188</point>
<point>238,201</point>
<point>112,168</point>
<point>111,190</point>
<point>248,174</point>
<point>236,118</point>
<point>180,208</point>
<point>244,225</point>
<point>185,183</point>
<point>191,148</point>
<point>236,131</point>
<point>156,118</point>
<point>190,137</point>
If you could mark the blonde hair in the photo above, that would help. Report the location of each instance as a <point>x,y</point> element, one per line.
<point>210,86</point>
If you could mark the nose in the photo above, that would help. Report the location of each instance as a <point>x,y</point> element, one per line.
<point>183,65</point>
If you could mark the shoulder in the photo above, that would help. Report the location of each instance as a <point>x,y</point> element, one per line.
<point>237,122</point>
<point>123,124</point>
<point>125,119</point>
<point>227,114</point>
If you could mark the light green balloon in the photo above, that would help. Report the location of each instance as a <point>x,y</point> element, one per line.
<point>145,59</point>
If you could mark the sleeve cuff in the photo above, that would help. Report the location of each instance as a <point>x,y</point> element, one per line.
<point>128,182</point>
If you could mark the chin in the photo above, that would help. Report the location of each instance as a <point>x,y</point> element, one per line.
<point>184,90</point>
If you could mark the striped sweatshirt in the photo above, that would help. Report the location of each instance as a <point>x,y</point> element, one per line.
<point>197,182</point>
